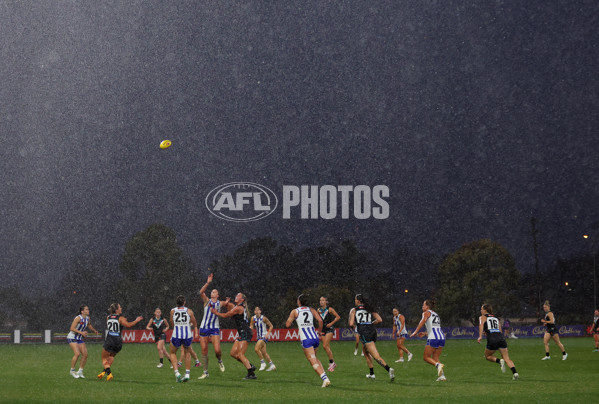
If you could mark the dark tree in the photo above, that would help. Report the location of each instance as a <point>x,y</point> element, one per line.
<point>155,271</point>
<point>478,272</point>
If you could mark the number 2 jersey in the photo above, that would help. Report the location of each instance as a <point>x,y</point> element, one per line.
<point>181,322</point>
<point>305,324</point>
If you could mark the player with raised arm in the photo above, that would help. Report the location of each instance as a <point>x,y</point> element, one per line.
<point>114,340</point>
<point>182,320</point>
<point>365,318</point>
<point>240,314</point>
<point>304,317</point>
<point>436,338</point>
<point>263,328</point>
<point>210,327</point>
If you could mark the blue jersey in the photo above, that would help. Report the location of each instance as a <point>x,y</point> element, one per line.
<point>210,320</point>
<point>81,326</point>
<point>401,330</point>
<point>181,322</point>
<point>433,326</point>
<point>260,327</point>
<point>305,324</point>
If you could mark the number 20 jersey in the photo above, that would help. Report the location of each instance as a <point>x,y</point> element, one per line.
<point>113,326</point>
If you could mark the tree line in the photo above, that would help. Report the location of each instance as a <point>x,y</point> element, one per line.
<point>154,270</point>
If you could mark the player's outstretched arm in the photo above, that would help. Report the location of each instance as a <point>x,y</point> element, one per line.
<point>291,319</point>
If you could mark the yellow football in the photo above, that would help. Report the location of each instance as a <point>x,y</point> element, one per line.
<point>165,144</point>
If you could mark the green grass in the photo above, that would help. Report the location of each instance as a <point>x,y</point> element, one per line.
<point>39,373</point>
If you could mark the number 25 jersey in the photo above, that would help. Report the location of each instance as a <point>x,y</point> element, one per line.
<point>182,329</point>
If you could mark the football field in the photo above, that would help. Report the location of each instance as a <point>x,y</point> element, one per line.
<point>40,373</point>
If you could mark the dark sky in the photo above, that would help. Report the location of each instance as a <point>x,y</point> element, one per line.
<point>476,116</point>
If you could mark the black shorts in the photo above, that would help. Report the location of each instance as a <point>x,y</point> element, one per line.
<point>368,335</point>
<point>159,337</point>
<point>245,335</point>
<point>495,342</point>
<point>327,330</point>
<point>113,344</point>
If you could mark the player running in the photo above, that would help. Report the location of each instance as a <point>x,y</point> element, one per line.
<point>489,324</point>
<point>304,316</point>
<point>329,317</point>
<point>365,318</point>
<point>436,338</point>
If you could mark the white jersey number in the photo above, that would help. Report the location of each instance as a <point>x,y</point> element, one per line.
<point>492,324</point>
<point>363,317</point>
<point>113,325</point>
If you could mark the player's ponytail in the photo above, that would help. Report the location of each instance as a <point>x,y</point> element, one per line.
<point>113,308</point>
<point>488,308</point>
<point>367,305</point>
<point>245,306</point>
